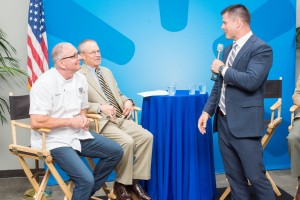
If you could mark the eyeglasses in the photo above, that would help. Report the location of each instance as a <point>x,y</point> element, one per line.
<point>93,52</point>
<point>73,56</point>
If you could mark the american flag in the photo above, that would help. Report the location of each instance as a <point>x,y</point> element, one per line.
<point>37,58</point>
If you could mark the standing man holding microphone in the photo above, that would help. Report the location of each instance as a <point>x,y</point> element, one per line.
<point>237,102</point>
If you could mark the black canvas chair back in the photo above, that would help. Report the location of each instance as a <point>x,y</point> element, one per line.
<point>273,89</point>
<point>19,107</point>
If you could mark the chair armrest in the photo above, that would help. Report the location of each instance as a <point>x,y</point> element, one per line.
<point>275,105</point>
<point>93,116</point>
<point>135,108</point>
<point>27,126</point>
<point>294,108</point>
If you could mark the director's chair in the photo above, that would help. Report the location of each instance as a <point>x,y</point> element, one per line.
<point>19,110</point>
<point>293,109</point>
<point>273,90</point>
<point>95,118</point>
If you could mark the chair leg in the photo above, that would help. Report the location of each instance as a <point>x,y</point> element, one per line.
<point>109,192</point>
<point>225,193</point>
<point>275,188</point>
<point>40,193</point>
<point>37,169</point>
<point>30,176</point>
<point>60,181</point>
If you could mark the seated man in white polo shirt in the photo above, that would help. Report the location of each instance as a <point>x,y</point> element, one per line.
<point>58,101</point>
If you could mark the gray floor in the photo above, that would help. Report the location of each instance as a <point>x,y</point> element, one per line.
<point>14,188</point>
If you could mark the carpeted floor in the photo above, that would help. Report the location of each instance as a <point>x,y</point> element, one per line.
<point>284,195</point>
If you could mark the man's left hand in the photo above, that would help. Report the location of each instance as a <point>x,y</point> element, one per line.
<point>128,107</point>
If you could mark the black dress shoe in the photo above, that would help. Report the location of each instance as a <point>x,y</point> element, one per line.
<point>121,192</point>
<point>139,192</point>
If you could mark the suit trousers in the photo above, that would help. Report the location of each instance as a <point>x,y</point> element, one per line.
<point>294,148</point>
<point>242,158</point>
<point>137,146</point>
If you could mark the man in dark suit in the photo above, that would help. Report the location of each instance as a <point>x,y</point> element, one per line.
<point>237,102</point>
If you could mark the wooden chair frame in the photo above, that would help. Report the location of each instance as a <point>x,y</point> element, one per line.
<point>276,119</point>
<point>95,118</point>
<point>24,152</point>
<point>293,109</point>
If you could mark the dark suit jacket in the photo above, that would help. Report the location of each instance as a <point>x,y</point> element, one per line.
<point>244,94</point>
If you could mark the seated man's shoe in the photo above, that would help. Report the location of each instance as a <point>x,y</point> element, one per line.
<point>139,192</point>
<point>121,192</point>
<point>297,197</point>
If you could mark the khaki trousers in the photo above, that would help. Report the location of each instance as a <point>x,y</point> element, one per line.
<point>294,148</point>
<point>137,146</point>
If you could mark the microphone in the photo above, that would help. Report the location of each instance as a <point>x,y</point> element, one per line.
<point>220,47</point>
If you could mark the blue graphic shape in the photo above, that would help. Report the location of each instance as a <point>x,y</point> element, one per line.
<point>70,27</point>
<point>173,14</point>
<point>270,27</point>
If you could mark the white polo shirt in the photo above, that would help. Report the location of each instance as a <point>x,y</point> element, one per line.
<point>56,97</point>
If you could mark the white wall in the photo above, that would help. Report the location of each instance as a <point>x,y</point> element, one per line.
<point>13,21</point>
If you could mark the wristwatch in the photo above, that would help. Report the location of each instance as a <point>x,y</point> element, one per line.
<point>221,69</point>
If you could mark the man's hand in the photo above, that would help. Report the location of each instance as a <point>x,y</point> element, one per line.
<point>202,122</point>
<point>108,110</point>
<point>85,123</point>
<point>215,66</point>
<point>128,107</point>
<point>80,122</point>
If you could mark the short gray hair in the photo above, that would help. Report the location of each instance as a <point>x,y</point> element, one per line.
<point>57,51</point>
<point>81,46</point>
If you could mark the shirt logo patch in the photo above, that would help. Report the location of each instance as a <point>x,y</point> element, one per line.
<point>81,91</point>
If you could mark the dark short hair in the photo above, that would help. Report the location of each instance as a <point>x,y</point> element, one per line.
<point>238,10</point>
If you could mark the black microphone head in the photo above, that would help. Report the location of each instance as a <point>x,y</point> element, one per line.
<point>220,47</point>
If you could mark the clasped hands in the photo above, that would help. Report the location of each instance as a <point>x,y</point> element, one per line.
<point>110,111</point>
<point>80,122</point>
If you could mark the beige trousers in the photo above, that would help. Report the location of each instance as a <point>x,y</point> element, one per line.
<point>294,148</point>
<point>137,145</point>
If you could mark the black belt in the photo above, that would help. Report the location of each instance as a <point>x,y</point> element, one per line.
<point>221,113</point>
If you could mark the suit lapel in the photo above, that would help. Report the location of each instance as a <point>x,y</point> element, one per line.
<point>244,49</point>
<point>91,80</point>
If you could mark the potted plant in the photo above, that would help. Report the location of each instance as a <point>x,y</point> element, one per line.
<point>10,71</point>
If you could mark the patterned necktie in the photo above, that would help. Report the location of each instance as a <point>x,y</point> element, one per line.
<point>108,93</point>
<point>230,62</point>
<point>232,55</point>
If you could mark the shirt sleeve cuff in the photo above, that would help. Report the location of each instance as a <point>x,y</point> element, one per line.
<point>224,70</point>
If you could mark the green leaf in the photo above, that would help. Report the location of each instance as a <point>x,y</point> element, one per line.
<point>10,71</point>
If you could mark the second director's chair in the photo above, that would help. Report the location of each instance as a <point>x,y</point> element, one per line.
<point>95,118</point>
<point>19,110</point>
<point>293,109</point>
<point>273,90</point>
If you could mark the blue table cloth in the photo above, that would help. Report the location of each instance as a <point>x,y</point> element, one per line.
<point>182,161</point>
